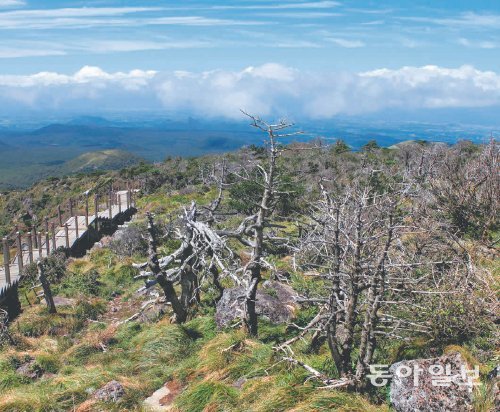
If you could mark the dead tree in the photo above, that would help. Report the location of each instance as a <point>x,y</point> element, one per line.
<point>182,273</point>
<point>202,254</point>
<point>463,182</point>
<point>5,335</point>
<point>374,253</point>
<point>47,292</point>
<point>210,220</point>
<point>252,230</point>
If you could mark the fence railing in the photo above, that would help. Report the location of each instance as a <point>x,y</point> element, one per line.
<point>68,223</point>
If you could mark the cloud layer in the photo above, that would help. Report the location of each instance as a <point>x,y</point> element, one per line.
<point>12,3</point>
<point>269,89</point>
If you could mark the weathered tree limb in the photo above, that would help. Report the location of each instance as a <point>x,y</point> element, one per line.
<point>47,293</point>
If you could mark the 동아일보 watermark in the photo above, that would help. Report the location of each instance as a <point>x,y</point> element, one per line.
<point>439,375</point>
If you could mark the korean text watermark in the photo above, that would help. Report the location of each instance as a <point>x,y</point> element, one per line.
<point>439,375</point>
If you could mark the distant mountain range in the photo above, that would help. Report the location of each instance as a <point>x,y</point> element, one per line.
<point>29,155</point>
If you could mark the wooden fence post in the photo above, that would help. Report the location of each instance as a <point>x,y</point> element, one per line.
<point>35,237</point>
<point>59,215</point>
<point>6,259</point>
<point>30,248</point>
<point>47,236</point>
<point>54,243</point>
<point>76,227</point>
<point>87,211</point>
<point>66,233</point>
<point>47,242</point>
<point>96,211</point>
<point>20,262</point>
<point>40,250</point>
<point>110,210</point>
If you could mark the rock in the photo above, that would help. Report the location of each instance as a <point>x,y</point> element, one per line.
<point>153,313</point>
<point>281,275</point>
<point>30,370</point>
<point>104,242</point>
<point>494,385</point>
<point>285,294</point>
<point>118,235</point>
<point>426,396</point>
<point>239,382</point>
<point>494,373</point>
<point>275,301</point>
<point>113,391</point>
<point>62,301</point>
<point>162,399</point>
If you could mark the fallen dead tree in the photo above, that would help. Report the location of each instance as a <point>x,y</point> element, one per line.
<point>203,255</point>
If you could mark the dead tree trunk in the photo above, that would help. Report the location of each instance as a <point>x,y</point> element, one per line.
<point>4,328</point>
<point>251,231</point>
<point>202,251</point>
<point>254,267</point>
<point>165,283</point>
<point>47,293</point>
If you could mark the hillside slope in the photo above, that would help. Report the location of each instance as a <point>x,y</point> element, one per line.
<point>100,160</point>
<point>110,332</point>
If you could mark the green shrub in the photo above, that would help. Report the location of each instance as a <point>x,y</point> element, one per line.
<point>75,283</point>
<point>86,309</point>
<point>48,362</point>
<point>210,395</point>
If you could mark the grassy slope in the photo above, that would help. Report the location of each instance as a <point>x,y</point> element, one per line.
<point>102,160</point>
<point>80,356</point>
<point>206,363</point>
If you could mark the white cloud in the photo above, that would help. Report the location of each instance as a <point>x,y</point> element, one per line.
<point>269,89</point>
<point>373,23</point>
<point>349,44</point>
<point>12,53</point>
<point>199,21</point>
<point>411,43</point>
<point>86,75</point>
<point>106,46</point>
<point>466,19</point>
<point>301,14</point>
<point>371,11</point>
<point>272,71</point>
<point>284,6</point>
<point>77,12</point>
<point>485,44</point>
<point>87,17</point>
<point>12,3</point>
<point>438,87</point>
<point>294,44</point>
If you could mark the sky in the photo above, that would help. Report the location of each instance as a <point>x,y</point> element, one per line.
<point>305,59</point>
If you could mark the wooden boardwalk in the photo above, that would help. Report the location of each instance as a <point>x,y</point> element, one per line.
<point>34,246</point>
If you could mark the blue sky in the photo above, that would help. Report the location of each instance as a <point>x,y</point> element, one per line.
<point>152,54</point>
